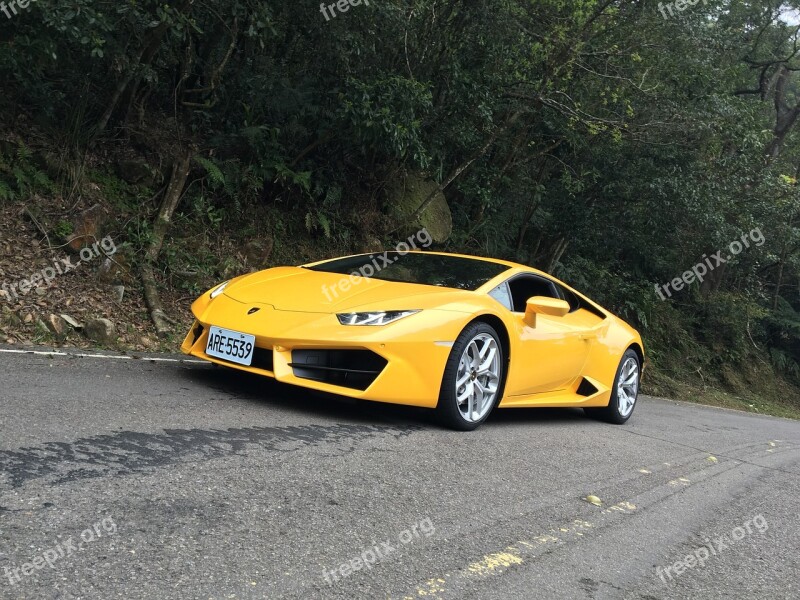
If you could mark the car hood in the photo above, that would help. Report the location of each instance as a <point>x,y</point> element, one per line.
<point>304,290</point>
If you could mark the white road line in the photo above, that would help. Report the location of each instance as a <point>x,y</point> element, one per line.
<point>107,356</point>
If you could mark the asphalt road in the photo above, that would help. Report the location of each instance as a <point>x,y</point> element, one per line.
<point>139,479</point>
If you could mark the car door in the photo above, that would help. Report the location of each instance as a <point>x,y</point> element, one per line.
<point>551,354</point>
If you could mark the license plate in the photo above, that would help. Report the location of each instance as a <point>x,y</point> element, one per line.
<point>232,346</point>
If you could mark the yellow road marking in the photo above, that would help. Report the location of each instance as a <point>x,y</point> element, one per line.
<point>496,563</point>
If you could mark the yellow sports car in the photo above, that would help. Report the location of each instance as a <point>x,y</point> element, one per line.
<point>455,333</point>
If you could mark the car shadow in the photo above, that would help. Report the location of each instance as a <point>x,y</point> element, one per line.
<point>537,416</point>
<point>266,391</point>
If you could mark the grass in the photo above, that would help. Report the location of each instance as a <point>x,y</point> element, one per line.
<point>763,395</point>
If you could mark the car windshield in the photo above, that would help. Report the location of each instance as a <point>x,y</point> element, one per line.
<point>416,267</point>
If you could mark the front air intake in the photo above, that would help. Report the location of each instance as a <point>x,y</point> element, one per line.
<point>354,369</point>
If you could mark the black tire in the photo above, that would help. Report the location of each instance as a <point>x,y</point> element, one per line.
<point>613,413</point>
<point>447,409</point>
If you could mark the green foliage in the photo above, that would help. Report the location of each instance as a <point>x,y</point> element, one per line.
<point>119,193</point>
<point>385,115</point>
<point>214,174</point>
<point>783,330</point>
<point>600,141</point>
<point>63,229</point>
<point>20,176</point>
<point>318,221</point>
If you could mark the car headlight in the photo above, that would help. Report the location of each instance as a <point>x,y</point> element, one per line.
<point>374,318</point>
<point>219,289</point>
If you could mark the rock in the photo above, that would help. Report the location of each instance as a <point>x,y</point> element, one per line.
<point>56,325</point>
<point>86,227</point>
<point>407,194</point>
<point>70,321</point>
<point>119,292</point>
<point>146,342</point>
<point>100,331</point>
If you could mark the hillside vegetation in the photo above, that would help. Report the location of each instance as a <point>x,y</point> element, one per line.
<point>646,154</point>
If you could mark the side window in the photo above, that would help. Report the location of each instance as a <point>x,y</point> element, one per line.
<point>527,286</point>
<point>565,294</point>
<point>502,295</point>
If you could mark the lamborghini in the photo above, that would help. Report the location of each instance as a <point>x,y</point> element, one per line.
<point>455,333</point>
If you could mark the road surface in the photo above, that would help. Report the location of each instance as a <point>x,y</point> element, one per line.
<point>136,479</point>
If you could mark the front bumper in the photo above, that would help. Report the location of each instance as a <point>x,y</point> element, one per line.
<point>400,363</point>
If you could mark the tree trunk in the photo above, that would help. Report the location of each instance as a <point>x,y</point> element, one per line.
<point>172,197</point>
<point>151,44</point>
<point>557,253</point>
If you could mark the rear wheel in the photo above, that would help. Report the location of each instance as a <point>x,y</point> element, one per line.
<point>473,378</point>
<point>625,391</point>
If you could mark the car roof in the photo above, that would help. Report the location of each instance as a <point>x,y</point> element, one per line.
<point>513,270</point>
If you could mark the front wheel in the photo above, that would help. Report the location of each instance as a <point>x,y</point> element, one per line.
<point>625,391</point>
<point>473,378</point>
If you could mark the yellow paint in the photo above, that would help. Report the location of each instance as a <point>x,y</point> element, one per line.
<point>296,313</point>
<point>496,563</point>
<point>493,562</point>
<point>622,507</point>
<point>430,588</point>
<point>712,459</point>
<point>544,539</point>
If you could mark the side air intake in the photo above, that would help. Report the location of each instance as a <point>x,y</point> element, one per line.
<point>586,388</point>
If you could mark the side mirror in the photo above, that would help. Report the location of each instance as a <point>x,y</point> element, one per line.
<point>541,305</point>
